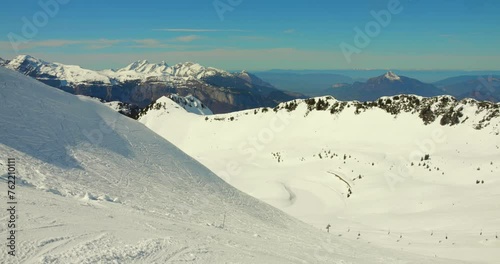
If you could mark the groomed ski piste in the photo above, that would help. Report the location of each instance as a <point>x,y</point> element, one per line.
<point>94,186</point>
<point>413,174</point>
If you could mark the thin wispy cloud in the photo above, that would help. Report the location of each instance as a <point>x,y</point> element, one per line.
<point>148,42</point>
<point>189,38</point>
<point>289,31</point>
<point>51,43</point>
<point>252,38</point>
<point>96,44</point>
<point>197,30</point>
<point>58,43</point>
<point>101,43</point>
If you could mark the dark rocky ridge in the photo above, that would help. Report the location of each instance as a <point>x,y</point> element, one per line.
<point>446,110</point>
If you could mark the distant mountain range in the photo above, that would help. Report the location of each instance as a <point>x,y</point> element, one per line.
<point>141,83</point>
<point>355,85</point>
<point>388,84</point>
<point>485,88</point>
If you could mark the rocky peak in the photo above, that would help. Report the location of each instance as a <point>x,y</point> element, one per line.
<point>143,66</point>
<point>392,76</point>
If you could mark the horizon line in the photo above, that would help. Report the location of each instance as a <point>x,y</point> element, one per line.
<point>282,69</point>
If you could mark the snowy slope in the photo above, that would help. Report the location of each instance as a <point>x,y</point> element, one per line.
<point>96,187</point>
<point>123,108</point>
<point>190,103</point>
<point>363,167</point>
<point>126,109</point>
<point>173,105</point>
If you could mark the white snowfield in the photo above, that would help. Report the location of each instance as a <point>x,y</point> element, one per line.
<point>94,186</point>
<point>365,172</point>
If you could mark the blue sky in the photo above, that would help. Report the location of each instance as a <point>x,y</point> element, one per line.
<point>257,34</point>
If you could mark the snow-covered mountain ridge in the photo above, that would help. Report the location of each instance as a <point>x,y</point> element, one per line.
<point>137,71</point>
<point>189,103</point>
<point>415,174</point>
<point>171,102</point>
<point>67,74</point>
<point>144,71</point>
<point>446,110</point>
<point>141,83</point>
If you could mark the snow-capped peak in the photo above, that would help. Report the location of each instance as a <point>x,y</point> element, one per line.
<point>191,69</point>
<point>66,74</point>
<point>143,66</point>
<point>176,103</point>
<point>26,60</point>
<point>25,57</point>
<point>134,65</point>
<point>245,75</point>
<point>392,76</point>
